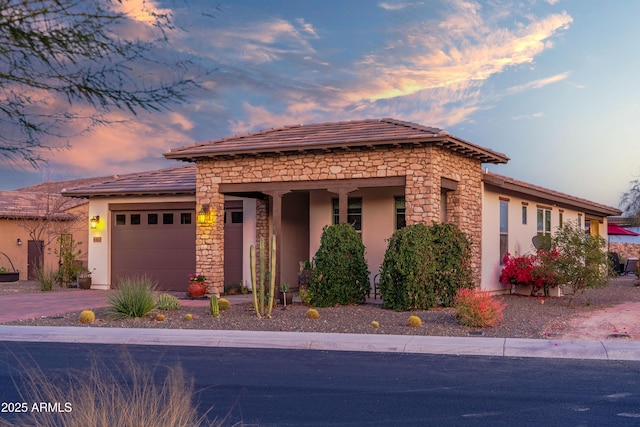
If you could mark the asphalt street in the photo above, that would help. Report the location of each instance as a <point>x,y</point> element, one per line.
<point>284,387</point>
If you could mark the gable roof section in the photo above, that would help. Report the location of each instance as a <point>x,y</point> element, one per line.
<point>508,185</point>
<point>171,181</point>
<point>358,134</point>
<point>33,205</point>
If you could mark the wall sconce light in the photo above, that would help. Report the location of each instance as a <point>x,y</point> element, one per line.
<point>19,241</point>
<point>206,215</point>
<point>94,221</point>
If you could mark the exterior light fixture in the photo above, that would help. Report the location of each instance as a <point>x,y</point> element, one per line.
<point>94,221</point>
<point>19,241</point>
<point>206,215</point>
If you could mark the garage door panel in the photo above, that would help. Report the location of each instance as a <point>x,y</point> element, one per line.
<point>163,252</point>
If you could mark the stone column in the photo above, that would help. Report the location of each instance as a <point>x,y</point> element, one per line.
<point>210,235</point>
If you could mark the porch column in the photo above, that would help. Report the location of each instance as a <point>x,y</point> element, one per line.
<point>343,201</point>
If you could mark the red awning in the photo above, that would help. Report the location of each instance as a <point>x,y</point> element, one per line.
<point>615,230</point>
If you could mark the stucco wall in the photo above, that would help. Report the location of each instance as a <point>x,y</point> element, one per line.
<point>422,166</point>
<point>11,230</point>
<point>520,235</point>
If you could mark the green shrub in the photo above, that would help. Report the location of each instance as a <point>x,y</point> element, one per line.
<point>477,308</point>
<point>407,270</point>
<point>134,298</point>
<point>452,251</point>
<point>425,266</point>
<point>167,302</point>
<point>45,277</point>
<point>341,276</point>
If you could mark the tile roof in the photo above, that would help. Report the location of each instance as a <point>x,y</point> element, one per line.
<point>545,195</point>
<point>357,134</point>
<point>30,205</point>
<point>176,180</point>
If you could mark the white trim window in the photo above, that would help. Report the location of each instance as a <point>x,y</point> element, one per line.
<point>543,221</point>
<point>504,228</point>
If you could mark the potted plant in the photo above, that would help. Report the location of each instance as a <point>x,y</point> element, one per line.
<point>197,288</point>
<point>7,275</point>
<point>304,276</point>
<point>84,279</point>
<point>286,297</point>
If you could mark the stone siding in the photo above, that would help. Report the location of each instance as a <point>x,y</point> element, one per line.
<point>625,250</point>
<point>422,166</point>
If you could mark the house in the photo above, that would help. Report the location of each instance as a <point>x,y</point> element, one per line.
<point>31,221</point>
<point>292,181</point>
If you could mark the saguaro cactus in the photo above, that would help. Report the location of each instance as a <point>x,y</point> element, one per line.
<point>213,306</point>
<point>254,285</point>
<point>258,287</point>
<point>272,274</point>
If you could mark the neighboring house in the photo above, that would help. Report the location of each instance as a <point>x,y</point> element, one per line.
<point>31,221</point>
<point>376,174</point>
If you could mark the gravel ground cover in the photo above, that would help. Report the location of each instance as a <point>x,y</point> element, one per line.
<point>523,316</point>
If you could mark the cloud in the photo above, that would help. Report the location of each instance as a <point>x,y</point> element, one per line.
<point>260,42</point>
<point>466,49</point>
<point>432,67</point>
<point>537,84</point>
<point>122,147</point>
<point>399,5</point>
<point>527,116</point>
<point>144,11</point>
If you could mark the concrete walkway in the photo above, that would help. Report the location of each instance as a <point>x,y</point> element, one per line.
<point>15,307</point>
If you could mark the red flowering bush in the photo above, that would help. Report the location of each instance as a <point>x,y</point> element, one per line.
<point>537,271</point>
<point>517,270</point>
<point>477,309</point>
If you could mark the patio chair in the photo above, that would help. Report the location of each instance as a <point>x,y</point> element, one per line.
<point>631,266</point>
<point>618,267</point>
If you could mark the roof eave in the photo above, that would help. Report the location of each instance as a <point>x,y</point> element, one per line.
<point>454,144</point>
<point>541,195</point>
<point>114,193</point>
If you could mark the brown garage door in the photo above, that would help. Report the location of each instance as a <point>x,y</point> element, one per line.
<point>157,240</point>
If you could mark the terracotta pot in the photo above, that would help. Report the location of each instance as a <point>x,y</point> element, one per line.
<point>196,289</point>
<point>84,282</point>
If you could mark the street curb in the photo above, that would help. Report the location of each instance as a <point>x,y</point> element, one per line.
<point>461,346</point>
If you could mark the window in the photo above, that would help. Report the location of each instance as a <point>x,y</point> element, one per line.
<point>354,212</point>
<point>543,225</point>
<point>152,218</point>
<point>121,219</point>
<point>400,213</point>
<point>167,218</point>
<point>524,214</point>
<point>560,219</point>
<point>236,217</point>
<point>185,218</point>
<point>443,205</point>
<point>135,219</point>
<point>504,228</point>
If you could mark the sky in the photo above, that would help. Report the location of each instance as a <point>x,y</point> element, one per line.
<point>553,84</point>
